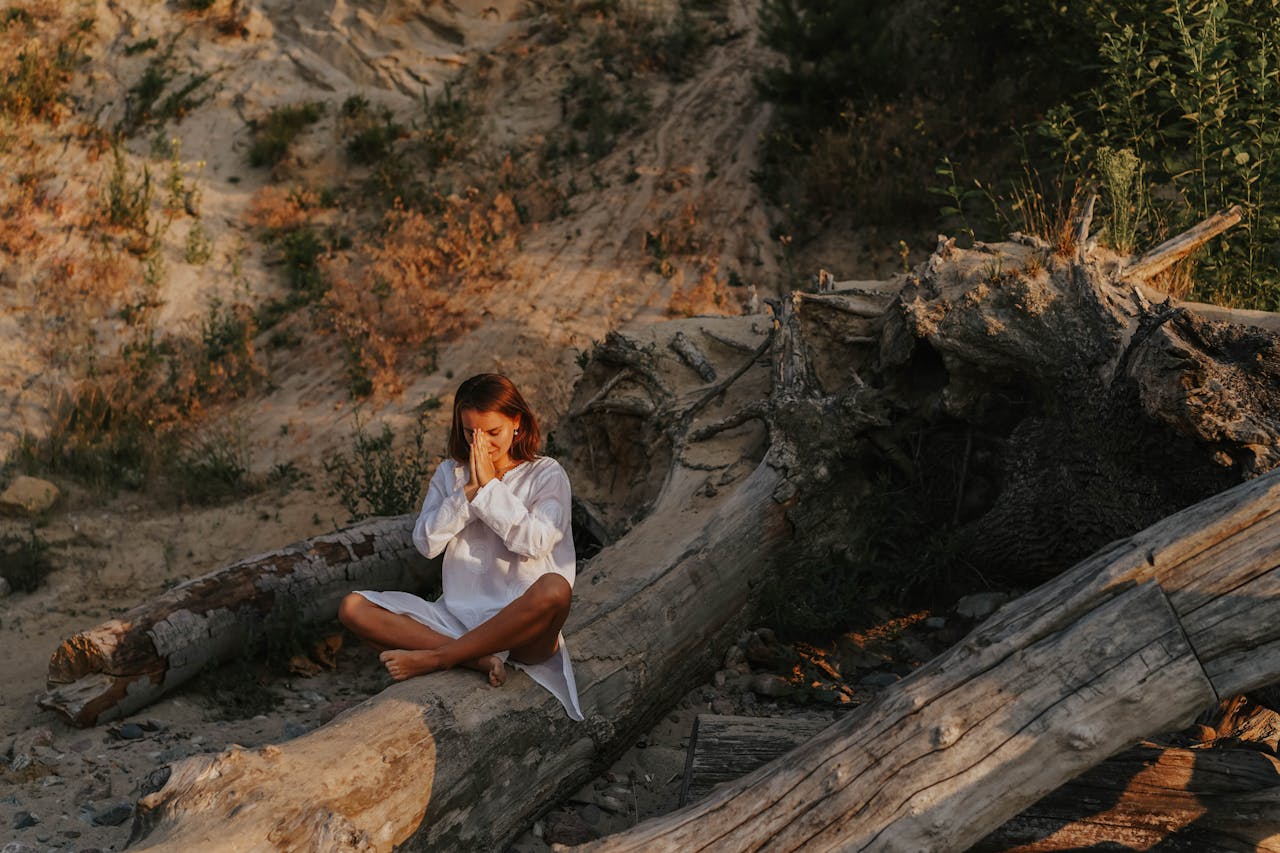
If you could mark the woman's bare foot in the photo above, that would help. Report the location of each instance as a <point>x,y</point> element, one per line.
<point>404,664</point>
<point>497,672</point>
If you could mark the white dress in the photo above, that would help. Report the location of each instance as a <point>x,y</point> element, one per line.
<point>495,546</point>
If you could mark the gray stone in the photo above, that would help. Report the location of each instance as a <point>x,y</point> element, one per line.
<point>914,649</point>
<point>293,730</point>
<point>723,706</point>
<point>17,847</point>
<point>113,815</point>
<point>96,787</point>
<point>22,820</point>
<point>880,679</point>
<point>129,731</point>
<point>5,588</point>
<point>768,684</point>
<point>980,605</point>
<point>569,828</point>
<point>935,623</point>
<point>613,804</point>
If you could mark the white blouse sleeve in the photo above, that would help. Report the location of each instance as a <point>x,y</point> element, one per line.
<point>445,512</point>
<point>532,530</point>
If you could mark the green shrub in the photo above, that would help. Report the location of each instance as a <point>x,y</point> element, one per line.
<point>376,479</point>
<point>273,135</point>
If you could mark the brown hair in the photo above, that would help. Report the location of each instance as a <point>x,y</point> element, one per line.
<point>493,392</point>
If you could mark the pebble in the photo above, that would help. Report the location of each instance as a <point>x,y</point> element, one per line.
<point>612,804</point>
<point>720,678</point>
<point>569,828</point>
<point>19,847</point>
<point>5,588</point>
<point>980,605</point>
<point>113,815</point>
<point>25,743</point>
<point>293,730</point>
<point>768,684</point>
<point>128,731</point>
<point>935,623</point>
<point>880,679</point>
<point>22,820</point>
<point>723,706</point>
<point>51,780</point>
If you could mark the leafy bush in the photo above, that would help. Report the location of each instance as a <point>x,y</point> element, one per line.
<point>376,479</point>
<point>273,135</point>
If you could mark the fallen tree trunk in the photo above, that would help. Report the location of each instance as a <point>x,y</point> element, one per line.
<point>1152,797</point>
<point>1139,638</point>
<point>130,661</point>
<point>447,762</point>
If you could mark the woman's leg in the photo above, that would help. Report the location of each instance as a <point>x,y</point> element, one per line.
<point>528,627</point>
<point>384,630</point>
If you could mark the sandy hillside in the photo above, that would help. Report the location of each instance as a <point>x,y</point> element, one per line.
<point>666,222</point>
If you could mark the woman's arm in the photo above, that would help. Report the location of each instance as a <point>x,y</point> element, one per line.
<point>444,513</point>
<point>531,530</point>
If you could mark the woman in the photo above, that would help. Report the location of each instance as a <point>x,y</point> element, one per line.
<point>500,513</point>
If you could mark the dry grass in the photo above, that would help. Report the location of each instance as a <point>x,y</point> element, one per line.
<point>424,281</point>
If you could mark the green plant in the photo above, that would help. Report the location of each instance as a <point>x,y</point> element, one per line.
<point>373,138</point>
<point>198,249</point>
<point>273,135</point>
<point>143,105</point>
<point>212,467</point>
<point>41,50</point>
<point>127,201</point>
<point>376,479</point>
<point>1121,173</point>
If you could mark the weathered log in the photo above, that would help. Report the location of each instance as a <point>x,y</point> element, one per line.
<point>651,614</point>
<point>1156,798</point>
<point>723,748</point>
<point>1176,248</point>
<point>128,662</point>
<point>1138,638</point>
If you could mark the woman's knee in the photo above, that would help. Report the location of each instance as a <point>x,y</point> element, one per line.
<point>551,592</point>
<point>351,608</point>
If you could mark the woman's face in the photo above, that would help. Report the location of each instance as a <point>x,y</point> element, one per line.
<point>496,427</point>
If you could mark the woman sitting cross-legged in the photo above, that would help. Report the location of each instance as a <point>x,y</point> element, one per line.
<point>500,513</point>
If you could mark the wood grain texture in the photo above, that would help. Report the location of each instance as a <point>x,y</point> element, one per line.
<point>1050,685</point>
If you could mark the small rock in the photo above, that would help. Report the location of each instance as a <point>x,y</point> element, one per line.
<point>51,780</point>
<point>880,679</point>
<point>43,837</point>
<point>538,829</point>
<point>593,816</point>
<point>70,833</point>
<point>980,605</point>
<point>293,730</point>
<point>851,654</point>
<point>113,815</point>
<point>28,497</point>
<point>914,649</point>
<point>128,731</point>
<point>720,678</point>
<point>612,804</point>
<point>20,762</point>
<point>768,684</point>
<point>735,657</point>
<point>22,820</point>
<point>723,706</point>
<point>17,847</point>
<point>935,623</point>
<point>569,828</point>
<point>767,654</point>
<point>5,588</point>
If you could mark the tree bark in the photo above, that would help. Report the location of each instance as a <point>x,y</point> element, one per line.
<point>128,662</point>
<point>1152,797</point>
<point>1138,638</point>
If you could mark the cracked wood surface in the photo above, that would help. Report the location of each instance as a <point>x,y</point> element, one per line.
<point>128,662</point>
<point>1137,638</point>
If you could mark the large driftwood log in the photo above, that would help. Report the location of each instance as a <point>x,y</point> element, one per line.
<point>1138,638</point>
<point>1155,798</point>
<point>130,661</point>
<point>446,762</point>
